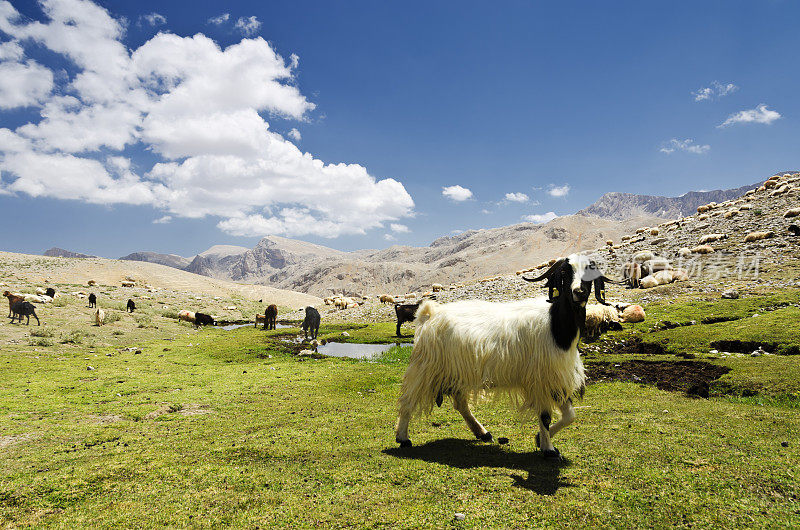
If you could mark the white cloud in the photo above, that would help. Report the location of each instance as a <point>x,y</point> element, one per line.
<point>248,26</point>
<point>540,218</point>
<point>224,17</point>
<point>162,220</point>
<point>516,197</point>
<point>389,237</point>
<point>457,193</point>
<point>399,229</point>
<point>558,191</point>
<point>760,114</point>
<point>23,84</point>
<point>687,145</point>
<point>200,111</point>
<point>295,135</point>
<point>154,19</point>
<point>716,90</point>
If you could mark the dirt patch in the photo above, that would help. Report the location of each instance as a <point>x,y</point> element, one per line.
<point>744,346</point>
<point>714,320</point>
<point>638,347</point>
<point>104,419</point>
<point>690,377</point>
<point>194,409</point>
<point>9,440</point>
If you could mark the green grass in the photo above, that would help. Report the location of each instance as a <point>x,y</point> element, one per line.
<point>208,430</point>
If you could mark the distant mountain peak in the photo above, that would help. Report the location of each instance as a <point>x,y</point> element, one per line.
<point>620,206</point>
<point>56,252</point>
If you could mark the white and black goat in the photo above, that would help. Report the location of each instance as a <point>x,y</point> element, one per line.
<point>526,349</point>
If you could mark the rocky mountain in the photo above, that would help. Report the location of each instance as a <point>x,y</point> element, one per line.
<point>56,252</point>
<point>170,260</point>
<point>620,206</point>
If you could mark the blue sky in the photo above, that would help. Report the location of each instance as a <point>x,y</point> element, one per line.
<point>552,103</point>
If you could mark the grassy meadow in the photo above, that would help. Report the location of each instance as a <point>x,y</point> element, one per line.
<point>215,428</point>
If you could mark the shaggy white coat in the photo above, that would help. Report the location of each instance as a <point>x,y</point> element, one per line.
<point>474,346</point>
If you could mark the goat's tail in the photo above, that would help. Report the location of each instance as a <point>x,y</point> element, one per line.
<point>426,311</point>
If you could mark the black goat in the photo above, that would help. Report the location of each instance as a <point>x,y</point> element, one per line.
<point>201,319</point>
<point>26,309</point>
<point>405,313</point>
<point>311,322</point>
<point>270,316</point>
<point>92,300</point>
<point>131,306</point>
<point>50,292</point>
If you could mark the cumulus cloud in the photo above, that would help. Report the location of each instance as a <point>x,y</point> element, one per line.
<point>516,197</point>
<point>154,19</point>
<point>399,229</point>
<point>221,19</point>
<point>558,191</point>
<point>760,114</point>
<point>457,193</point>
<point>540,218</point>
<point>389,237</point>
<point>248,26</point>
<point>295,135</point>
<point>715,91</point>
<point>162,220</point>
<point>199,110</point>
<point>23,84</point>
<point>687,145</point>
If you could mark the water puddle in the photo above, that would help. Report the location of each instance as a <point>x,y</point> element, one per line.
<point>353,351</point>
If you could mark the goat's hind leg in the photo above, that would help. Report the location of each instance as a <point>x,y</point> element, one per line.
<point>567,417</point>
<point>461,405</point>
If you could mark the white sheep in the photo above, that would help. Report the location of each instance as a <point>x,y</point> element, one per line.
<point>99,317</point>
<point>527,349</point>
<point>600,318</point>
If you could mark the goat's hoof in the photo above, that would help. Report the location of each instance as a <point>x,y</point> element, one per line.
<point>552,454</point>
<point>485,437</point>
<point>404,443</point>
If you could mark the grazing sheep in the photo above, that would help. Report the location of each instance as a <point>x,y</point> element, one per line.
<point>328,300</point>
<point>202,319</point>
<point>601,318</point>
<point>654,232</point>
<point>436,287</point>
<point>405,313</point>
<point>759,235</point>
<point>631,274</point>
<point>609,242</point>
<point>703,249</point>
<point>684,252</point>
<point>24,309</point>
<point>127,283</point>
<point>91,283</point>
<point>792,212</point>
<point>654,265</point>
<point>770,184</point>
<point>311,323</point>
<point>40,290</point>
<point>641,257</point>
<point>664,277</point>
<point>386,299</point>
<point>710,238</point>
<point>648,282</point>
<point>92,300</point>
<point>527,349</point>
<point>99,317</point>
<point>186,316</point>
<point>271,317</point>
<point>633,314</point>
<point>131,306</point>
<point>12,299</point>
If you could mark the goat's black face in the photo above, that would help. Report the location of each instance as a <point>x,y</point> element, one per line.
<point>573,277</point>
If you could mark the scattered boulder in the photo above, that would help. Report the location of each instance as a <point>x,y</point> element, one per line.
<point>792,212</point>
<point>731,294</point>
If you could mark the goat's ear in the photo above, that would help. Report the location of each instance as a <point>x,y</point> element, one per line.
<point>600,291</point>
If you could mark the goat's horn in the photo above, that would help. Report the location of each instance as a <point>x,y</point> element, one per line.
<point>547,274</point>
<point>609,280</point>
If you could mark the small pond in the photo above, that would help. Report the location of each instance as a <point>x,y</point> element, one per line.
<point>353,351</point>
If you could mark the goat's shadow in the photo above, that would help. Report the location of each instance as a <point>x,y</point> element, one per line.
<point>543,475</point>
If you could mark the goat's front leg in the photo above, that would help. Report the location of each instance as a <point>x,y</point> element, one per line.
<point>567,417</point>
<point>461,405</point>
<point>543,437</point>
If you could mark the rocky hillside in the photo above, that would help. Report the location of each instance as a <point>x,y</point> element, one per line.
<point>626,205</point>
<point>56,252</point>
